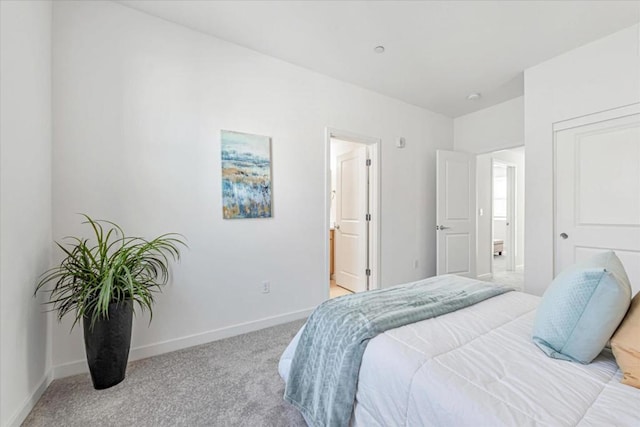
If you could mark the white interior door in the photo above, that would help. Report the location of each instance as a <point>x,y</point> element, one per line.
<point>510,224</point>
<point>455,213</point>
<point>351,226</point>
<point>598,192</point>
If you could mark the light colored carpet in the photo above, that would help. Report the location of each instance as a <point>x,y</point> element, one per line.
<point>231,382</point>
<point>514,279</point>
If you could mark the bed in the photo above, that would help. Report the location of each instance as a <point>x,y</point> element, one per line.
<point>478,367</point>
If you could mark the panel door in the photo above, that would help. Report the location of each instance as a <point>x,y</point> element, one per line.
<point>455,213</point>
<point>351,232</point>
<point>598,192</point>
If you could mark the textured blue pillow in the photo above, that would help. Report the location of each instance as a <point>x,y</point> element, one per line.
<point>582,308</point>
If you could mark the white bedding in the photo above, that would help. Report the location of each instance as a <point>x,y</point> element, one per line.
<point>479,367</point>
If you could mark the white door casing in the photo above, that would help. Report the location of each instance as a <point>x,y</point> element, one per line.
<point>455,213</point>
<point>597,189</point>
<point>350,235</point>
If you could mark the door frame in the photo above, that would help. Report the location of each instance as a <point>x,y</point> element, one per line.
<point>373,146</point>
<point>511,207</point>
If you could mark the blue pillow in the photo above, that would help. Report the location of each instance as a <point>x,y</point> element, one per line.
<point>582,308</point>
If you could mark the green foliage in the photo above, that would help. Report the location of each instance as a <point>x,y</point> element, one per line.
<point>114,269</point>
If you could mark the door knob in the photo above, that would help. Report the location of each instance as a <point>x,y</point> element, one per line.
<point>564,235</point>
<point>442,227</point>
<point>337,227</point>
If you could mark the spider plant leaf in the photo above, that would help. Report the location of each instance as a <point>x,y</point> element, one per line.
<point>108,268</point>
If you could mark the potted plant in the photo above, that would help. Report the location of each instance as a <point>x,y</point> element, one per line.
<point>101,282</point>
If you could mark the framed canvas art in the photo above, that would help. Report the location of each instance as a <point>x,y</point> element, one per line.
<point>246,175</point>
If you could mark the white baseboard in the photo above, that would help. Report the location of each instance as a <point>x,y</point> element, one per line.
<point>485,276</point>
<point>28,404</point>
<point>142,352</point>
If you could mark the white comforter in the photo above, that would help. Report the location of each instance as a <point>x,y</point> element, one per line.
<point>479,367</point>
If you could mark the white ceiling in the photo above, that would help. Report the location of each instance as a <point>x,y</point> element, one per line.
<point>437,52</point>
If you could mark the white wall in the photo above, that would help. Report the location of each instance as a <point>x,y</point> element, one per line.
<point>599,76</point>
<point>495,128</point>
<point>25,202</point>
<point>486,133</point>
<point>138,107</point>
<point>484,175</point>
<point>484,243</point>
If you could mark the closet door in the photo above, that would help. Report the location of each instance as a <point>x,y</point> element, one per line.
<point>597,184</point>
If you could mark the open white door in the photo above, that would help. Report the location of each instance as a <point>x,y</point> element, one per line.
<point>351,236</point>
<point>597,185</point>
<point>455,213</point>
<point>510,224</point>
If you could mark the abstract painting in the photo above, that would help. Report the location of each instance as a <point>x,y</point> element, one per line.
<point>246,175</point>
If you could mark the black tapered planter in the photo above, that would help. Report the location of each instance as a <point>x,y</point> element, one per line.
<point>107,345</point>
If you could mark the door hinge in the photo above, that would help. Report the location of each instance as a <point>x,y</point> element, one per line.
<point>367,217</point>
<point>367,272</point>
<point>368,162</point>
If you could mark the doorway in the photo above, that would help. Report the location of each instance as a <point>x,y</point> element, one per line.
<point>500,195</point>
<point>353,206</point>
<point>503,221</point>
<point>468,238</point>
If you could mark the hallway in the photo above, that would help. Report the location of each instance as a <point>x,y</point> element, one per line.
<point>515,279</point>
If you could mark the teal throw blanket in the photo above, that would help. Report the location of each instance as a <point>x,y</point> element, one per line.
<point>324,371</point>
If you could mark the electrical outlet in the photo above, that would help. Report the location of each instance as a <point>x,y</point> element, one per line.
<point>266,287</point>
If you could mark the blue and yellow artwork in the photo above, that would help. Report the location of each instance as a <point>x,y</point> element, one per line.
<point>246,175</point>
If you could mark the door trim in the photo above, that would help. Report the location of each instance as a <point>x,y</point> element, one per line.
<point>373,145</point>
